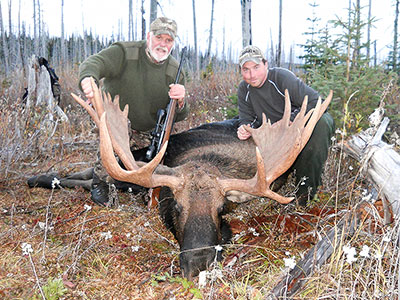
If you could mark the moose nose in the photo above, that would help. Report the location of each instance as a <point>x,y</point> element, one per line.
<point>198,247</point>
<point>195,260</point>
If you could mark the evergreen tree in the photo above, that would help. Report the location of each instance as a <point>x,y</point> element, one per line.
<point>339,62</point>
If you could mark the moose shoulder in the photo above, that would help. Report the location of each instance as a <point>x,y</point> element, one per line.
<point>203,167</point>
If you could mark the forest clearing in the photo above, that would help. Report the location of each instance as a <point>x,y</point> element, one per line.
<point>84,251</point>
<point>58,244</point>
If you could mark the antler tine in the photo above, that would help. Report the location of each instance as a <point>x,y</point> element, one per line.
<point>97,110</point>
<point>97,100</point>
<point>117,124</point>
<point>278,146</point>
<point>114,136</point>
<point>141,176</point>
<point>313,117</point>
<point>286,114</point>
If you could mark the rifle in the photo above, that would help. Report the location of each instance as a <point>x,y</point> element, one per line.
<point>165,120</point>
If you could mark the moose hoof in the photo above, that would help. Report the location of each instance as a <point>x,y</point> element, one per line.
<point>43,181</point>
<point>99,191</point>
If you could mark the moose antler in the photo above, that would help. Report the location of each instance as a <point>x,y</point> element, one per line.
<point>278,146</point>
<point>114,135</point>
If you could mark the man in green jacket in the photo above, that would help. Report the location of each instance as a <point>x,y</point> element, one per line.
<point>263,91</point>
<point>142,73</point>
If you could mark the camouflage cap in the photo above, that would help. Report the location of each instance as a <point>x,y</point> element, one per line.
<point>164,25</point>
<point>250,53</point>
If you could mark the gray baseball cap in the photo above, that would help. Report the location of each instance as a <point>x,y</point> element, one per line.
<point>250,53</point>
<point>164,25</point>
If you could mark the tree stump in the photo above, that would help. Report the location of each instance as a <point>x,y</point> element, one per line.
<point>39,90</point>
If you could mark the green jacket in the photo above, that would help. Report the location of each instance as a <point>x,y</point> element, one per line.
<point>129,73</point>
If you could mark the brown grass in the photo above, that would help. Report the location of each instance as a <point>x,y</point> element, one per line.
<point>126,252</point>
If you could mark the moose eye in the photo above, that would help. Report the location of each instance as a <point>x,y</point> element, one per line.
<point>221,209</point>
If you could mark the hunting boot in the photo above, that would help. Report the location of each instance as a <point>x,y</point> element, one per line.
<point>99,191</point>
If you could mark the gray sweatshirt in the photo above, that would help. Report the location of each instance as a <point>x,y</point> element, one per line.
<point>270,97</point>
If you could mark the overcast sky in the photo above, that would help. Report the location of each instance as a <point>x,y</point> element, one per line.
<point>103,17</point>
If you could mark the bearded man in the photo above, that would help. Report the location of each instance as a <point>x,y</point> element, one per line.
<point>142,73</point>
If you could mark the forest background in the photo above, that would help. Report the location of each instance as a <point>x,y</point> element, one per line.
<point>91,253</point>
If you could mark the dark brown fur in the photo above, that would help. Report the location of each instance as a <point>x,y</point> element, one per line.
<point>194,215</point>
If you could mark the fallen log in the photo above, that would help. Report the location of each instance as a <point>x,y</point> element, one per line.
<point>380,164</point>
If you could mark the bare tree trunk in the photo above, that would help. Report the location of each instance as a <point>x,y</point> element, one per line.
<point>11,45</point>
<point>9,17</point>
<point>85,46</point>
<point>211,28</point>
<point>120,24</point>
<point>223,43</point>
<point>271,58</point>
<point>396,20</point>
<point>4,41</point>
<point>291,59</point>
<point>143,22</point>
<point>130,22</point>
<point>62,46</point>
<point>356,52</point>
<point>195,39</point>
<point>136,31</point>
<point>19,61</point>
<point>42,34</point>
<point>35,33</point>
<point>153,10</point>
<point>348,50</point>
<point>39,23</point>
<point>369,32</point>
<point>246,22</point>
<point>279,51</point>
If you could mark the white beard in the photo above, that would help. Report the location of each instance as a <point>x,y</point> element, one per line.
<point>155,56</point>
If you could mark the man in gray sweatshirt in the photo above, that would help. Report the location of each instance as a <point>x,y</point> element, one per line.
<point>262,90</point>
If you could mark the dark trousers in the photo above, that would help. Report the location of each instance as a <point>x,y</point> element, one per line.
<point>310,163</point>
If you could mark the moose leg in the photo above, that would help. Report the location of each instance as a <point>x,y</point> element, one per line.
<point>78,179</point>
<point>82,175</point>
<point>73,183</point>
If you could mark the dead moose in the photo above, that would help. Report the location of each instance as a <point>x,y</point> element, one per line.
<point>203,168</point>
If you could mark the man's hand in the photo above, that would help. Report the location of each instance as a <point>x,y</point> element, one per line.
<point>177,92</point>
<point>242,133</point>
<point>87,89</point>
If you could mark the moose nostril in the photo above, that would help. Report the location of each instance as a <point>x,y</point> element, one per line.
<point>194,261</point>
